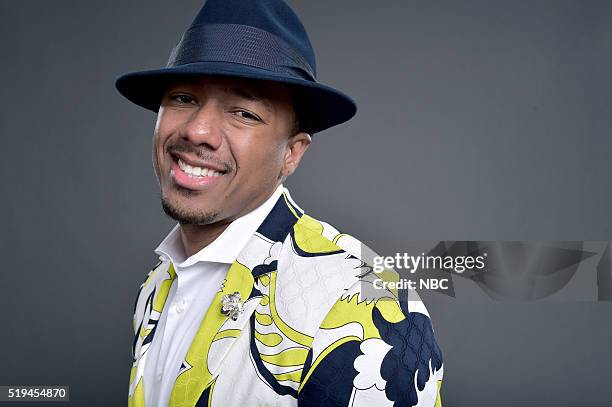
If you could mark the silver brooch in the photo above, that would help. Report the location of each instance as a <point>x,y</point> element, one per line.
<point>231,305</point>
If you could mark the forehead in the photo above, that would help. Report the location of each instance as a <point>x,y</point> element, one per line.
<point>268,93</point>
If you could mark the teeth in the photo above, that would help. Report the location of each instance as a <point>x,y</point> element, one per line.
<point>197,171</point>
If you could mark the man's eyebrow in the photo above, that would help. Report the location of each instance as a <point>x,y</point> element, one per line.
<point>243,93</point>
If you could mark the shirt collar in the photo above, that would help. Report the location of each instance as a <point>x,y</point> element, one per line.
<point>226,247</point>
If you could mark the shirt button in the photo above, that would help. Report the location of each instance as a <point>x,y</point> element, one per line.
<point>180,307</point>
<point>159,377</point>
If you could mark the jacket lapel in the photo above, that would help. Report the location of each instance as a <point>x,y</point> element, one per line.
<point>217,333</point>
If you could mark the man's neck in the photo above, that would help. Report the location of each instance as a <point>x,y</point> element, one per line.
<point>197,237</point>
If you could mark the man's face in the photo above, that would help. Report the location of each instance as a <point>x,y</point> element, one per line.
<point>222,145</point>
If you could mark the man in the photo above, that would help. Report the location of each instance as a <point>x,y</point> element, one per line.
<point>254,302</point>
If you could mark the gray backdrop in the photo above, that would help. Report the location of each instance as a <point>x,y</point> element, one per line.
<point>477,120</point>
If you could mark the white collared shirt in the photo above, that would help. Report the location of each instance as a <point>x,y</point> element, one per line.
<point>198,278</point>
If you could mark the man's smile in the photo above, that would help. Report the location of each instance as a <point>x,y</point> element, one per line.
<point>187,174</point>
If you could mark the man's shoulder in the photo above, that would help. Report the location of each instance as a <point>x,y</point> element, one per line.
<point>317,237</point>
<point>341,264</point>
<point>324,262</point>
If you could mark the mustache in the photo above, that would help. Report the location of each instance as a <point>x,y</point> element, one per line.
<point>201,154</point>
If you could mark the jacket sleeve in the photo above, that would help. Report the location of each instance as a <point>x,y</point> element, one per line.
<point>373,351</point>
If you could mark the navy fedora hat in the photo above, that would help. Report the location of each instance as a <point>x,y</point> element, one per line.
<point>256,39</point>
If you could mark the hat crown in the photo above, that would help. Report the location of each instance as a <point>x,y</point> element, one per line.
<point>272,16</point>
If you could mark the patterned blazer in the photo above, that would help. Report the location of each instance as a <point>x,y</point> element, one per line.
<point>313,331</point>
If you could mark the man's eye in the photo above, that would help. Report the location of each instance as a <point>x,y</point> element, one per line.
<point>247,115</point>
<point>183,99</point>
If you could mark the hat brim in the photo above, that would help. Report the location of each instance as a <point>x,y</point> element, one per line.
<point>323,106</point>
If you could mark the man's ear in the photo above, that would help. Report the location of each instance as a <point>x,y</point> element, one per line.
<point>296,147</point>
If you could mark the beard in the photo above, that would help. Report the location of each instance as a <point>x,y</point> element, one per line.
<point>185,217</point>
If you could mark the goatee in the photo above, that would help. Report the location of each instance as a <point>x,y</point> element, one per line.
<point>187,218</point>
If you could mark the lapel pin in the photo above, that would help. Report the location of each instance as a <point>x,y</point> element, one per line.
<point>232,306</point>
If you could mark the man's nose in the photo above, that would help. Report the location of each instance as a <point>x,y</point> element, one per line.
<point>204,126</point>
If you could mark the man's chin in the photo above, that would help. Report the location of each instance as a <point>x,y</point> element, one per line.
<point>186,216</point>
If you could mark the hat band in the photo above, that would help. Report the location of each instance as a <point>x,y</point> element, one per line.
<point>240,44</point>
